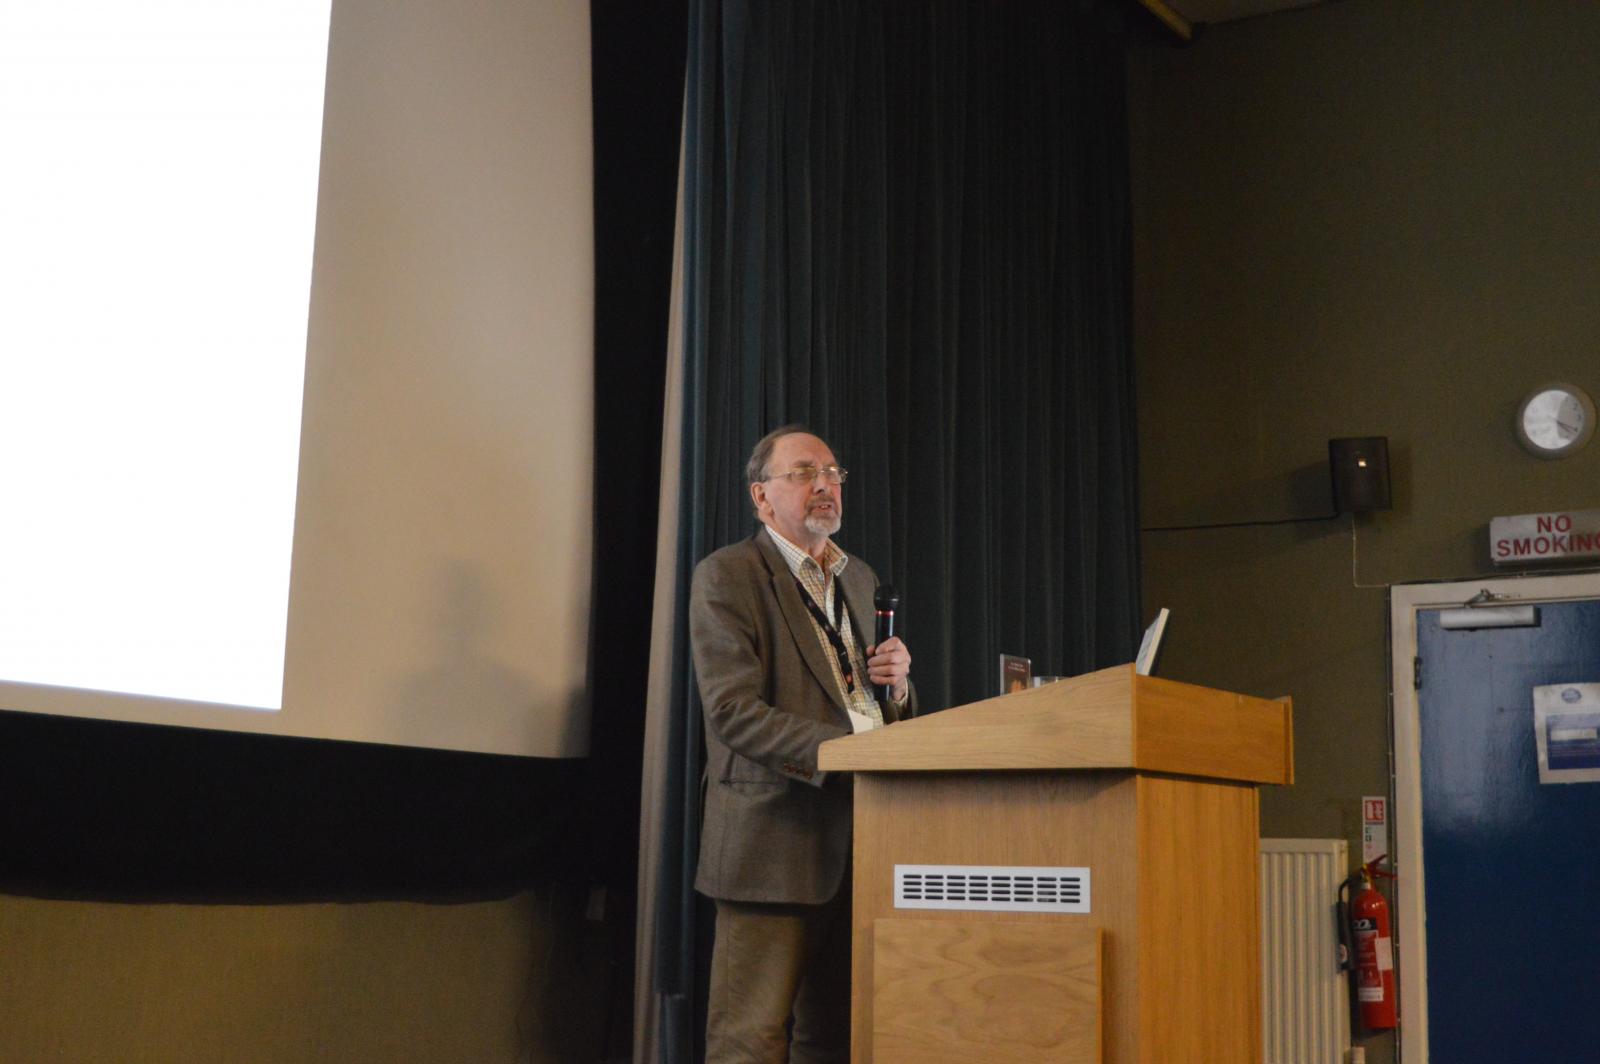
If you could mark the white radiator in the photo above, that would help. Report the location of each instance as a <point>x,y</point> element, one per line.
<point>1305,999</point>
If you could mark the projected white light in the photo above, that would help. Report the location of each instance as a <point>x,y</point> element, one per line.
<point>157,207</point>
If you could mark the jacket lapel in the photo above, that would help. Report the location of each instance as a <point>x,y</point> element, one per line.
<point>858,600</point>
<point>795,613</point>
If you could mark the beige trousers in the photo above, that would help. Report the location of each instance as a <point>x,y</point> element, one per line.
<point>772,963</point>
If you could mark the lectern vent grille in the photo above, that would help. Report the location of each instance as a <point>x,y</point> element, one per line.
<point>992,888</point>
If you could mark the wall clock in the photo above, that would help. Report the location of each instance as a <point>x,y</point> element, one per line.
<point>1555,420</point>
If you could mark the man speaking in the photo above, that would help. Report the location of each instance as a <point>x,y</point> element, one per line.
<point>779,625</point>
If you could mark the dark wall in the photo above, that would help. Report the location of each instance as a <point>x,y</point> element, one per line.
<point>1364,218</point>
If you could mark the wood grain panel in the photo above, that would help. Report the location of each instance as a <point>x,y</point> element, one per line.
<point>1199,917</point>
<point>1084,722</point>
<point>1011,818</point>
<point>1199,731</point>
<point>1106,719</point>
<point>985,993</point>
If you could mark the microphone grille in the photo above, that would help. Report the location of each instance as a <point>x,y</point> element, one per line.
<point>886,597</point>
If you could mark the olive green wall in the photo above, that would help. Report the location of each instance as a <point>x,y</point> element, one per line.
<point>519,981</point>
<point>1366,218</point>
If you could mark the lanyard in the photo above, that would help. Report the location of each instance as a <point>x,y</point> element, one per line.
<point>830,628</point>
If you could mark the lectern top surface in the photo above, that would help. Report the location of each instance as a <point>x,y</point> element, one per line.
<point>1110,719</point>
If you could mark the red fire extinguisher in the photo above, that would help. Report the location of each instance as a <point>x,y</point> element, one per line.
<point>1367,947</point>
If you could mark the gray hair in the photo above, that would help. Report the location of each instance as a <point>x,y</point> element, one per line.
<point>755,470</point>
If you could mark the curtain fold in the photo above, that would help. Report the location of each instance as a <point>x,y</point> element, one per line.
<point>658,800</point>
<point>907,226</point>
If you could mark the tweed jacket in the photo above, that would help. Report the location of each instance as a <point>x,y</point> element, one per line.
<point>775,828</point>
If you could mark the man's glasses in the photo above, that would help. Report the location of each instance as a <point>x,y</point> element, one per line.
<point>806,474</point>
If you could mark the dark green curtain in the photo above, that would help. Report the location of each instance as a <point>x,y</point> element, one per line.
<point>907,226</point>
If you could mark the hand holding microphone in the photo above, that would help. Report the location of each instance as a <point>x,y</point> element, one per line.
<point>888,660</point>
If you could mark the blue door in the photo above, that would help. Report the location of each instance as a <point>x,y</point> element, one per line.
<point>1512,866</point>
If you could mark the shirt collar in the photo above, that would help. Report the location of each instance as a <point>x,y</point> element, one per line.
<point>834,559</point>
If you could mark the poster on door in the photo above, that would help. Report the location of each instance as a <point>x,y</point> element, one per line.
<point>1566,726</point>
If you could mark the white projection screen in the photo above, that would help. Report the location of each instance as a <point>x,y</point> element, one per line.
<point>296,367</point>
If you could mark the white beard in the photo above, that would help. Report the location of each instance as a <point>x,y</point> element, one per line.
<point>818,525</point>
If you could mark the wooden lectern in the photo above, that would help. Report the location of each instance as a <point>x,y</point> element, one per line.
<point>1150,786</point>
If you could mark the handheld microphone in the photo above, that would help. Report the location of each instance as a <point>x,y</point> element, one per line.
<point>886,599</point>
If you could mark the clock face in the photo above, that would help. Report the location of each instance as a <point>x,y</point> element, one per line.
<point>1555,420</point>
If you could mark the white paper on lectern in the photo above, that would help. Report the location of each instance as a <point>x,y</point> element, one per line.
<point>1150,646</point>
<point>860,722</point>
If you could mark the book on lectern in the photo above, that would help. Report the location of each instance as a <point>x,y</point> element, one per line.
<point>1016,673</point>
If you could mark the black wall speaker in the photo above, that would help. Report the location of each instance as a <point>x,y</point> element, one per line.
<point>1360,467</point>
